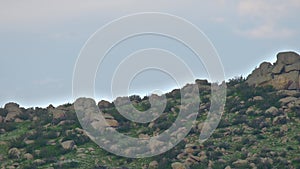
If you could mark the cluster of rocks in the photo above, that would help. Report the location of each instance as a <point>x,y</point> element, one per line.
<point>283,74</point>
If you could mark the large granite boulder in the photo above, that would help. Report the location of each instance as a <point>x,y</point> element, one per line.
<point>282,75</point>
<point>13,111</point>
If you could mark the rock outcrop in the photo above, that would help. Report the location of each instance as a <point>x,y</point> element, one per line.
<point>283,74</point>
<point>13,110</point>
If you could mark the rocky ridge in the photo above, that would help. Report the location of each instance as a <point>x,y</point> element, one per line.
<point>259,129</point>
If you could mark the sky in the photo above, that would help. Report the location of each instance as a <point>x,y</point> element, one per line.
<point>41,40</point>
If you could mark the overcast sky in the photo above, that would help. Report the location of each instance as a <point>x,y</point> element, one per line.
<point>41,39</point>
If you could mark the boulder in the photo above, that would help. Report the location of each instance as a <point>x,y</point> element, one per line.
<point>257,98</point>
<point>280,120</point>
<point>178,165</point>
<point>284,128</point>
<point>13,112</point>
<point>104,104</point>
<point>144,136</point>
<point>240,163</point>
<point>272,110</point>
<point>201,82</point>
<point>28,156</point>
<point>58,115</point>
<point>284,74</point>
<point>196,158</point>
<point>14,153</point>
<point>153,165</point>
<point>261,75</point>
<point>286,100</point>
<point>288,58</point>
<point>39,162</point>
<point>286,93</point>
<point>288,81</point>
<point>68,145</point>
<point>100,124</point>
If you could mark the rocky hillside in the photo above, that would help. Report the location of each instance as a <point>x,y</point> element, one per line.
<point>260,128</point>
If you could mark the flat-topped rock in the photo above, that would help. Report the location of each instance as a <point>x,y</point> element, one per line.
<point>284,74</point>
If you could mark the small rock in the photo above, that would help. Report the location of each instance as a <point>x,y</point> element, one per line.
<point>258,98</point>
<point>37,152</point>
<point>210,164</point>
<point>153,165</point>
<point>58,115</point>
<point>280,120</point>
<point>286,100</point>
<point>104,104</point>
<point>144,136</point>
<point>272,110</point>
<point>189,150</point>
<point>29,141</point>
<point>284,128</point>
<point>39,162</point>
<point>240,163</point>
<point>14,153</point>
<point>253,166</point>
<point>28,156</point>
<point>178,165</point>
<point>80,150</point>
<point>68,145</point>
<point>81,155</point>
<point>286,93</point>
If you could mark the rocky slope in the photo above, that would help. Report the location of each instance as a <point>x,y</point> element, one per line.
<point>260,128</point>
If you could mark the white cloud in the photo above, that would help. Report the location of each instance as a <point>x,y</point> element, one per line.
<point>264,18</point>
<point>267,31</point>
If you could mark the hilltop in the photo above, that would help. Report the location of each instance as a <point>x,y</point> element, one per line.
<point>260,128</point>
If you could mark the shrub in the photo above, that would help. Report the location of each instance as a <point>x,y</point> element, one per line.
<point>3,112</point>
<point>17,142</point>
<point>297,138</point>
<point>50,151</point>
<point>24,116</point>
<point>236,80</point>
<point>223,123</point>
<point>214,155</point>
<point>10,126</point>
<point>50,135</point>
<point>78,139</point>
<point>224,145</point>
<point>239,119</point>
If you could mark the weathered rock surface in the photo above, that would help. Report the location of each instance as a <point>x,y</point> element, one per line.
<point>13,110</point>
<point>282,75</point>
